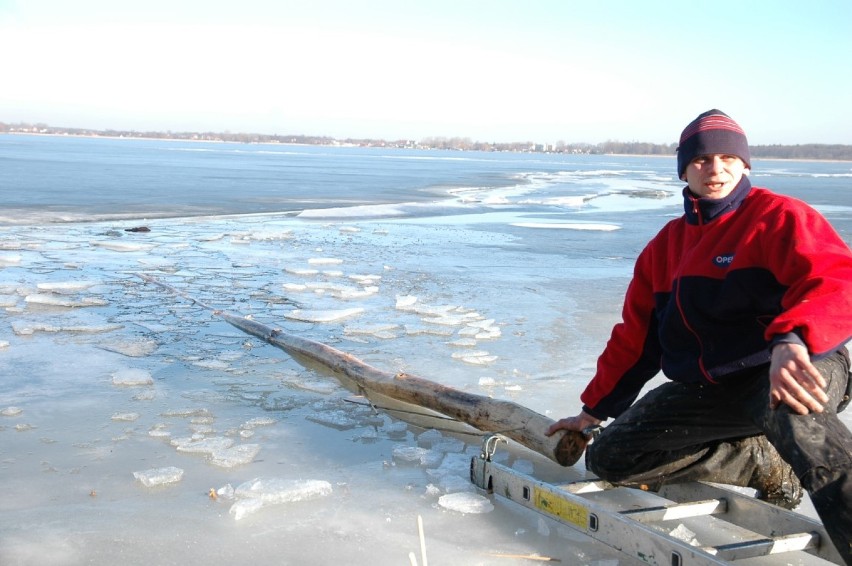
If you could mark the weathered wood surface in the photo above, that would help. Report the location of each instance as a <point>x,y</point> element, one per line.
<point>524,426</point>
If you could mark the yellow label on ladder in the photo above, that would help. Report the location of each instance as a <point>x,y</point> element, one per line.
<point>547,502</point>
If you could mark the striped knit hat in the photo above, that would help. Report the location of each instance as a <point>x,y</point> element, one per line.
<point>712,132</point>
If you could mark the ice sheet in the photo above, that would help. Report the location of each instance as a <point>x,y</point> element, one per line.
<point>159,476</point>
<point>265,492</point>
<point>149,380</point>
<point>464,502</point>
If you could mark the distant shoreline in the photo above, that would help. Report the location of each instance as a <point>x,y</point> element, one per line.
<point>800,152</point>
<point>297,144</point>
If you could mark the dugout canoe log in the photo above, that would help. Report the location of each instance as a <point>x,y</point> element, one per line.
<point>523,425</point>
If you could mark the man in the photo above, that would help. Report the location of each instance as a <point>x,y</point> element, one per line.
<point>745,304</point>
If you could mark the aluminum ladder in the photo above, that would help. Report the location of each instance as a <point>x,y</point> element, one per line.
<point>729,527</point>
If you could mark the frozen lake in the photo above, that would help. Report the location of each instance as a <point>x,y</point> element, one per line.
<point>139,428</point>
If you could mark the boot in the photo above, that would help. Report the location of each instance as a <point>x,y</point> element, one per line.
<point>773,478</point>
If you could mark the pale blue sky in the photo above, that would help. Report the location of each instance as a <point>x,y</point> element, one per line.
<point>490,70</point>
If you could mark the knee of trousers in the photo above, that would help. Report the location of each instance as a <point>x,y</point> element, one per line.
<point>836,368</point>
<point>606,461</point>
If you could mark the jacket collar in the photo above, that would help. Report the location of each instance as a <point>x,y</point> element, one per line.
<point>701,210</point>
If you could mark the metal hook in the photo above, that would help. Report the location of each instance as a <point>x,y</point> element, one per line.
<point>489,445</point>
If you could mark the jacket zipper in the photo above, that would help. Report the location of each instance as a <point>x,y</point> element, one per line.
<point>697,211</point>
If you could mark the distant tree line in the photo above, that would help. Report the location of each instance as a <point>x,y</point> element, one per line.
<point>799,151</point>
<point>805,151</point>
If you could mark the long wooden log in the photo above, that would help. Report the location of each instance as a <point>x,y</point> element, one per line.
<point>524,426</point>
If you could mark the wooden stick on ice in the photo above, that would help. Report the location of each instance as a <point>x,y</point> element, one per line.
<point>524,426</point>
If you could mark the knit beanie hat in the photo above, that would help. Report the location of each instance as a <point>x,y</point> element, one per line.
<point>712,132</point>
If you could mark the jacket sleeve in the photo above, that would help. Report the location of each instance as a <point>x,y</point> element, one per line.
<point>632,354</point>
<point>815,264</point>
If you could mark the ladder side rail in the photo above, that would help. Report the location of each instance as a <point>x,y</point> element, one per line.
<point>617,531</point>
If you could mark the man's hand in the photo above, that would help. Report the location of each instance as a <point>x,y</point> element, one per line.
<point>578,423</point>
<point>794,380</point>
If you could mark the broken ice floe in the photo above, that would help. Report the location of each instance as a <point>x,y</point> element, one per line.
<point>66,286</point>
<point>235,456</point>
<point>341,291</point>
<point>322,315</point>
<point>429,437</point>
<point>123,247</point>
<point>337,419</point>
<point>483,329</point>
<point>219,450</point>
<point>211,364</point>
<point>262,492</point>
<point>29,328</point>
<point>464,502</point>
<point>322,386</point>
<point>350,293</point>
<point>365,279</point>
<point>324,261</point>
<point>11,411</point>
<point>4,344</point>
<point>132,349</point>
<point>397,430</point>
<point>446,320</point>
<point>413,455</point>
<point>159,476</point>
<point>412,330</point>
<point>303,271</point>
<point>132,377</point>
<point>185,413</point>
<point>463,343</point>
<point>203,445</point>
<point>226,491</point>
<point>270,235</point>
<point>449,470</point>
<point>63,301</point>
<point>684,534</point>
<point>436,441</point>
<point>384,331</point>
<point>449,445</point>
<point>405,302</point>
<point>125,417</point>
<point>10,259</point>
<point>479,357</point>
<point>258,421</point>
<point>433,310</point>
<point>245,507</point>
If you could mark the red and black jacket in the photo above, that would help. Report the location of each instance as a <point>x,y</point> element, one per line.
<point>716,288</point>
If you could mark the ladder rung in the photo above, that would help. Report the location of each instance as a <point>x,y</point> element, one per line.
<point>765,546</point>
<point>588,486</point>
<point>678,511</point>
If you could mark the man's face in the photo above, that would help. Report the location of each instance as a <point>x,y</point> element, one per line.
<point>714,175</point>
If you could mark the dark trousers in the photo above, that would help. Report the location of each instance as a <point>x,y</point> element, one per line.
<point>683,432</point>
